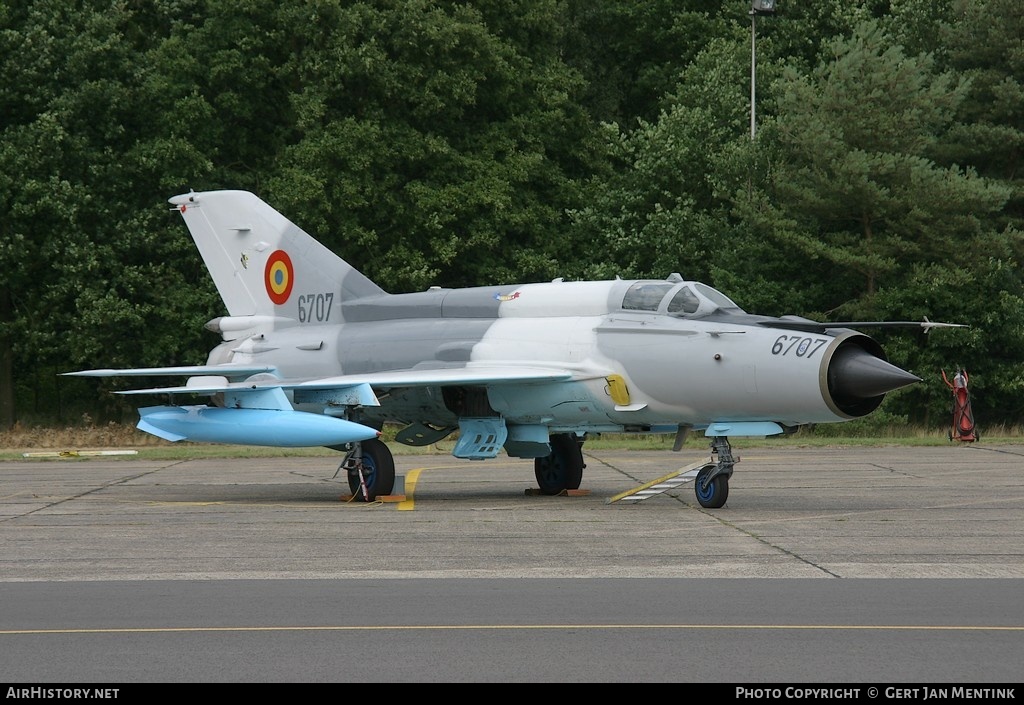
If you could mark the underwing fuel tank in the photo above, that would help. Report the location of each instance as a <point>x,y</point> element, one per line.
<point>259,427</point>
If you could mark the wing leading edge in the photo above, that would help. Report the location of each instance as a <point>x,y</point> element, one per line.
<point>255,409</point>
<point>211,379</point>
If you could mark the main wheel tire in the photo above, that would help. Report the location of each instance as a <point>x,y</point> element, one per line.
<point>378,467</point>
<point>714,495</point>
<point>563,468</point>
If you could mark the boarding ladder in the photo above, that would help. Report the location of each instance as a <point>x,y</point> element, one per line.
<point>662,484</point>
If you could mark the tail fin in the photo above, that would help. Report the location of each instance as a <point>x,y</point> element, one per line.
<point>265,265</point>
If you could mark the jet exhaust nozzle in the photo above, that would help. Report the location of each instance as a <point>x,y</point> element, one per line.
<point>256,427</point>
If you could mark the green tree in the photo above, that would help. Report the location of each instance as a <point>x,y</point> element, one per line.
<point>435,143</point>
<point>440,142</point>
<point>631,53</point>
<point>852,184</point>
<point>661,209</point>
<point>82,227</point>
<point>984,43</point>
<point>853,189</point>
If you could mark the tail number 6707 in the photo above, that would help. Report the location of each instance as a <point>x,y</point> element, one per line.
<point>799,345</point>
<point>315,307</point>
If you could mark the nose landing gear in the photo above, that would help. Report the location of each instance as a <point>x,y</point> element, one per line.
<point>712,483</point>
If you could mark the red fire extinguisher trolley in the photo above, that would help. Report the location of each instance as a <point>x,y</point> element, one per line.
<point>963,418</point>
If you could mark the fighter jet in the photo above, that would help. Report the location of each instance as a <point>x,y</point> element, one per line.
<point>314,353</point>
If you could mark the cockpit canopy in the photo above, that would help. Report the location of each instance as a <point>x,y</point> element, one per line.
<point>677,298</point>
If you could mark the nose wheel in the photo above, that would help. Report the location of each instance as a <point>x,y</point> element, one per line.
<point>712,483</point>
<point>712,490</point>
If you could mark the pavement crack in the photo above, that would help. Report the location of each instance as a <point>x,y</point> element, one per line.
<point>775,547</point>
<point>86,493</point>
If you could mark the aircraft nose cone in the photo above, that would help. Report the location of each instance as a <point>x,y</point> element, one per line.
<point>856,373</point>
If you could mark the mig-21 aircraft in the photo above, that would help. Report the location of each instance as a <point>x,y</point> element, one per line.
<point>314,353</point>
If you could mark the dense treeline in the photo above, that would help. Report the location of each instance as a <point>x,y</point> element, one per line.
<point>475,142</point>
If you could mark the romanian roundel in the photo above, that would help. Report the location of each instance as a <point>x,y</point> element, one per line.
<point>279,277</point>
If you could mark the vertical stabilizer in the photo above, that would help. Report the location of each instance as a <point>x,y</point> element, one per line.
<point>265,265</point>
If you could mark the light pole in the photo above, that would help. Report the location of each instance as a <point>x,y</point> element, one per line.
<point>757,7</point>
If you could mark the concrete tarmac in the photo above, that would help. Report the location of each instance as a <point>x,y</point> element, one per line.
<point>126,572</point>
<point>952,511</point>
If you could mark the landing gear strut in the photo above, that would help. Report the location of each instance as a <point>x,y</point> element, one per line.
<point>370,468</point>
<point>712,483</point>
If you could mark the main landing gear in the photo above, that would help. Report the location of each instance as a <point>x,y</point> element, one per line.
<point>563,468</point>
<point>370,468</point>
<point>712,483</point>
